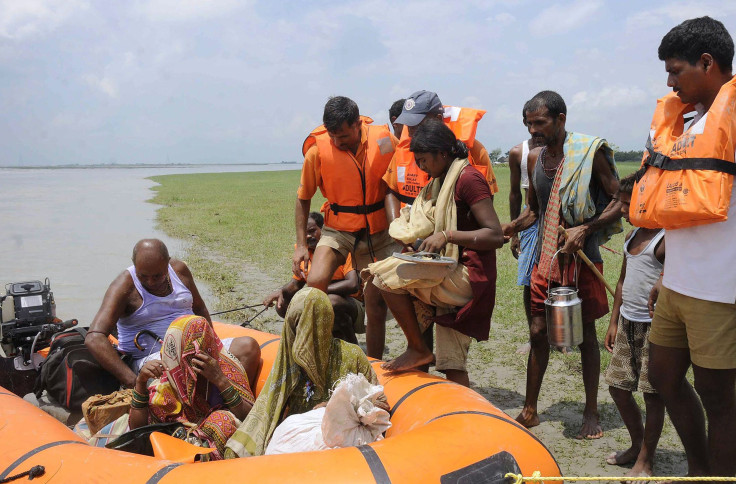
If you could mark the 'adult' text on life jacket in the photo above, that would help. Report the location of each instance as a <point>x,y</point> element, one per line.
<point>687,175</point>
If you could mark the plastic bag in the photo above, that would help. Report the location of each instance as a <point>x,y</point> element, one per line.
<point>352,417</point>
<point>298,433</point>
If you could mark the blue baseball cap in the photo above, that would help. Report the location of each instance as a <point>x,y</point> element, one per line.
<point>419,105</point>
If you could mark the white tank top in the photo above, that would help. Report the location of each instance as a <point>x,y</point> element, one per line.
<point>524,158</point>
<point>155,314</point>
<point>642,272</point>
<point>701,259</point>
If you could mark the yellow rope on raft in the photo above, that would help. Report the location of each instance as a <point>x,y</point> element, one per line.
<point>537,477</point>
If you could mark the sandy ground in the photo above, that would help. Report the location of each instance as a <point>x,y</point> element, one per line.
<point>498,373</point>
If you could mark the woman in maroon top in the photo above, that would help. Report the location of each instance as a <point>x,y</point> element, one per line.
<point>478,235</point>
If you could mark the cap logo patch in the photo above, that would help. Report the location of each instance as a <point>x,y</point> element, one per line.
<point>409,104</point>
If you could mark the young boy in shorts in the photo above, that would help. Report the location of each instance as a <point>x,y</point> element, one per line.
<point>627,338</point>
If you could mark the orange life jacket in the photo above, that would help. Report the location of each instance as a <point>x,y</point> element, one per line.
<point>410,179</point>
<point>353,188</point>
<point>687,175</point>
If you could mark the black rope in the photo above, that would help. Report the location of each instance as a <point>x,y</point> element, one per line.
<point>248,321</point>
<point>35,471</point>
<point>236,309</point>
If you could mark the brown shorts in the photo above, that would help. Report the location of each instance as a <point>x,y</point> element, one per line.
<point>359,323</point>
<point>350,243</point>
<point>707,328</point>
<point>590,289</point>
<point>629,365</point>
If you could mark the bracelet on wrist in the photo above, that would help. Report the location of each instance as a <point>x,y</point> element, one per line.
<point>139,400</point>
<point>228,393</point>
<point>235,401</point>
<point>447,240</point>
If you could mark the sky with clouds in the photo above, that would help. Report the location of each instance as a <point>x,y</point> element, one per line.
<point>226,81</point>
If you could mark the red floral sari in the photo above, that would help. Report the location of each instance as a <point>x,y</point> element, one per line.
<point>180,396</point>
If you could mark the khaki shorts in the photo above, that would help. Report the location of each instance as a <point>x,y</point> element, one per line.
<point>629,366</point>
<point>451,349</point>
<point>352,243</point>
<point>359,323</point>
<point>707,328</point>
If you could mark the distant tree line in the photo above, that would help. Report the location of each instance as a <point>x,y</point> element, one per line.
<point>622,156</point>
<point>496,155</point>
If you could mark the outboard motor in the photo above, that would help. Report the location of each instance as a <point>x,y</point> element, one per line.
<point>27,323</point>
<point>30,305</point>
<point>33,302</point>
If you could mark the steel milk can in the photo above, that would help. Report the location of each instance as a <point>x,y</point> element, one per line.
<point>563,309</point>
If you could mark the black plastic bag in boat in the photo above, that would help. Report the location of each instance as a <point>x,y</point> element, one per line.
<point>70,374</point>
<point>137,441</point>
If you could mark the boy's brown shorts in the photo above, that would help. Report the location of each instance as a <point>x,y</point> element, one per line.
<point>629,366</point>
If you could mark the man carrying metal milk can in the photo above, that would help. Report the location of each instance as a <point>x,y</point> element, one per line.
<point>573,183</point>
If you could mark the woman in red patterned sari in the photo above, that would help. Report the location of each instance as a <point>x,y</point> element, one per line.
<point>197,382</point>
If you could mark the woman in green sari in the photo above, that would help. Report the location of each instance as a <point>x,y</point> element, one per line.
<point>309,362</point>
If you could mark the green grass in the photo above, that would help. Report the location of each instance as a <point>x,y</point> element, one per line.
<point>229,218</point>
<point>248,215</point>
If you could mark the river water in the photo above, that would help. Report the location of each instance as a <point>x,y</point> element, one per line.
<point>78,227</point>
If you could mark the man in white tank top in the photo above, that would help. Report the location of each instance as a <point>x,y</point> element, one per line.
<point>149,295</point>
<point>522,245</point>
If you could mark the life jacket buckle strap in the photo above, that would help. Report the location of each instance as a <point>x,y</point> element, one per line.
<point>357,209</point>
<point>659,160</point>
<point>402,198</point>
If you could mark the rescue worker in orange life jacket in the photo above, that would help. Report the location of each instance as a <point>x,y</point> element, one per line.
<point>345,158</point>
<point>404,178</point>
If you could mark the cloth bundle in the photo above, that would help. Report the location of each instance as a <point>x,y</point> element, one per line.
<point>351,418</point>
<point>100,410</point>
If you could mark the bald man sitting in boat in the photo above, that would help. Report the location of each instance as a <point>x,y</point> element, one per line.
<point>143,300</point>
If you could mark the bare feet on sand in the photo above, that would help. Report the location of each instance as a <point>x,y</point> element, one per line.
<point>640,469</point>
<point>408,360</point>
<point>524,349</point>
<point>591,428</point>
<point>622,457</point>
<point>528,418</point>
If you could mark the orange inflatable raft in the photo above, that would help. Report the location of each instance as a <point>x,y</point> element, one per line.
<point>441,432</point>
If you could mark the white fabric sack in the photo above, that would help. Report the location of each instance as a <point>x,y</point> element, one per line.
<point>352,417</point>
<point>298,433</point>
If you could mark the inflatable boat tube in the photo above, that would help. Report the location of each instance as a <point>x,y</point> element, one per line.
<point>442,432</point>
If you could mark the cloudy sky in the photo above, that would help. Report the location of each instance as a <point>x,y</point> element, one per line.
<point>226,81</point>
